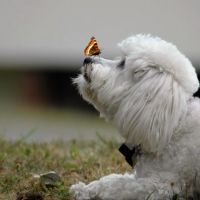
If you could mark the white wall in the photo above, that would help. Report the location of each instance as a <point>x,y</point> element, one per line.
<point>56,32</point>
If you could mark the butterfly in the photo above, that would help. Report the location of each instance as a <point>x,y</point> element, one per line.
<point>92,49</point>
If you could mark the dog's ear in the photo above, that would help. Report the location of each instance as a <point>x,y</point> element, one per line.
<point>152,110</point>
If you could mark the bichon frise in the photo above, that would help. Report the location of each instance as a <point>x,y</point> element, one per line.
<point>148,94</point>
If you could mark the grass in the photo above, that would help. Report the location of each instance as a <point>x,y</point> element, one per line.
<point>74,161</point>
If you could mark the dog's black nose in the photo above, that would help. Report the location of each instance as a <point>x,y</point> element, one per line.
<point>87,60</point>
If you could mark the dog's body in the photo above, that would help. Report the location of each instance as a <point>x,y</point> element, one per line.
<point>148,95</point>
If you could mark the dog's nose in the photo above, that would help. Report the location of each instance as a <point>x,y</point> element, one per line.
<point>87,60</point>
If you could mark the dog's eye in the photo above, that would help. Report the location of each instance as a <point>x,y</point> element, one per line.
<point>121,64</point>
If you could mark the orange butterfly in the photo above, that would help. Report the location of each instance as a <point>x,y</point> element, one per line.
<point>92,49</point>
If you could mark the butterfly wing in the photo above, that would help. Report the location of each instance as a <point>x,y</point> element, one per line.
<point>95,50</point>
<point>90,45</point>
<point>92,48</point>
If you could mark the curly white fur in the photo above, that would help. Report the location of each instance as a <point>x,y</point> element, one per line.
<point>148,95</point>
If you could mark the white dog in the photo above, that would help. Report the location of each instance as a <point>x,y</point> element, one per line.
<point>148,94</point>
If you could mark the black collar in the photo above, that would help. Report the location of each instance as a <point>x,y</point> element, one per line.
<point>130,153</point>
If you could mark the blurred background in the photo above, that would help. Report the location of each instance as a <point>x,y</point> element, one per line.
<point>41,50</point>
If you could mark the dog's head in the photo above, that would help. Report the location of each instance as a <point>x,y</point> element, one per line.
<point>144,92</point>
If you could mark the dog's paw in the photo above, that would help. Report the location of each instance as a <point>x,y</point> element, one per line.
<point>79,192</point>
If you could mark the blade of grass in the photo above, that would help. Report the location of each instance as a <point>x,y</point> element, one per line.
<point>150,195</point>
<point>101,138</point>
<point>43,183</point>
<point>28,134</point>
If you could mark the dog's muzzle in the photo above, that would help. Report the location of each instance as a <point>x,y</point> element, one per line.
<point>87,68</point>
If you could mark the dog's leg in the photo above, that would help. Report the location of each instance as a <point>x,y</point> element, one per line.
<point>122,187</point>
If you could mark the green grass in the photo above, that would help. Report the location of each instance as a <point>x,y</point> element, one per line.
<point>74,161</point>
